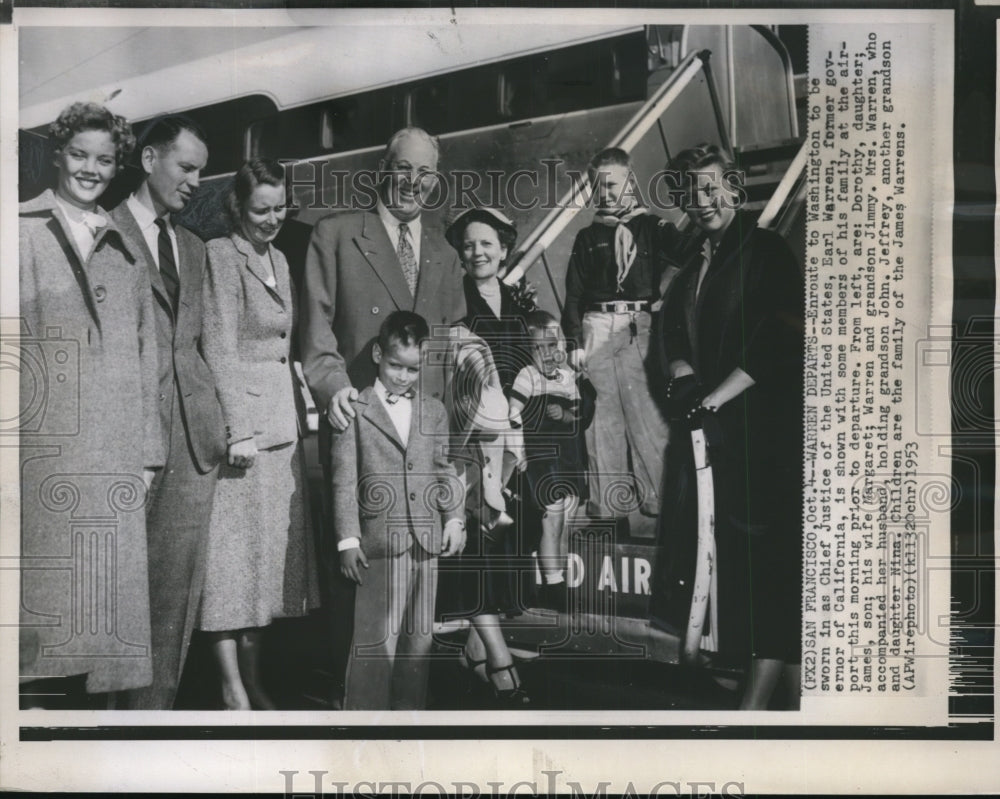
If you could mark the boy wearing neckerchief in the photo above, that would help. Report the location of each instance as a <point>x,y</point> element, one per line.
<point>618,271</point>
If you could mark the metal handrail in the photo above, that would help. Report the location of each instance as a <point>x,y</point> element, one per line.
<point>785,186</point>
<point>570,204</point>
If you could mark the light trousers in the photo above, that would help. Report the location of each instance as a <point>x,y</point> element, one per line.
<point>627,440</point>
<point>389,660</point>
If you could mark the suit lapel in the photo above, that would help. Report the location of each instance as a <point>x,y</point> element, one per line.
<point>376,413</point>
<point>246,249</point>
<point>190,295</point>
<point>282,279</point>
<point>414,435</point>
<point>729,257</point>
<point>376,248</point>
<point>61,226</point>
<point>130,228</point>
<point>431,271</point>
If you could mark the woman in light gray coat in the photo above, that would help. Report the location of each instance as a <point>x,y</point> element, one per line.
<point>89,425</point>
<point>260,562</point>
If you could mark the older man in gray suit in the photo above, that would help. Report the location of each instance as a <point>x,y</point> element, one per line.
<point>173,154</point>
<point>361,266</point>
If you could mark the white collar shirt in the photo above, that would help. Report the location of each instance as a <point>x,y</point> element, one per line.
<point>80,230</point>
<point>391,225</point>
<point>146,220</point>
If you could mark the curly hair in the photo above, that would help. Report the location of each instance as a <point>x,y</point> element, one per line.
<point>252,174</point>
<point>699,157</point>
<point>91,116</point>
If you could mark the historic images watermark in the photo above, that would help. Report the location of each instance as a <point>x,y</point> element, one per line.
<point>318,186</point>
<point>323,783</point>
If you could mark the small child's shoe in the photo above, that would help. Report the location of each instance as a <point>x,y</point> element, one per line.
<point>503,520</point>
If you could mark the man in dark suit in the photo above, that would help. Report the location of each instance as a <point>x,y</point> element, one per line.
<point>173,154</point>
<point>361,266</point>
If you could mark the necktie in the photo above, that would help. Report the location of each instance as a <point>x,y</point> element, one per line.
<point>168,267</point>
<point>407,258</point>
<point>392,399</point>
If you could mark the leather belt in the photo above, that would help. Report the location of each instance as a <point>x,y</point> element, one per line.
<point>619,306</point>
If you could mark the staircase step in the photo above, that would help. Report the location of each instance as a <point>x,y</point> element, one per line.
<point>754,154</point>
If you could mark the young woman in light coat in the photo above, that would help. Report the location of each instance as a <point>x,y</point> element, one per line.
<point>89,427</point>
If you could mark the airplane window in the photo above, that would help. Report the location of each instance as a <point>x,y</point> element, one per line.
<point>476,93</point>
<point>429,107</point>
<point>295,133</point>
<point>584,76</point>
<point>523,90</point>
<point>630,69</point>
<point>340,125</point>
<point>574,78</point>
<point>224,124</point>
<point>462,100</point>
<point>331,126</point>
<point>795,38</point>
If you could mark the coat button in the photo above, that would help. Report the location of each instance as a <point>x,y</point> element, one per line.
<point>413,497</point>
<point>284,359</point>
<point>100,293</point>
<point>162,397</point>
<point>409,467</point>
<point>374,309</point>
<point>283,334</point>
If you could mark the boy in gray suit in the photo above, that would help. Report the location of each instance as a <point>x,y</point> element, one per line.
<point>392,487</point>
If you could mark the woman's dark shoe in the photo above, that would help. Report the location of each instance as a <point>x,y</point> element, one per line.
<point>509,698</point>
<point>473,666</point>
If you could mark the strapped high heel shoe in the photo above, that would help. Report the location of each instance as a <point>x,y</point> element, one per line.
<point>472,665</point>
<point>509,698</point>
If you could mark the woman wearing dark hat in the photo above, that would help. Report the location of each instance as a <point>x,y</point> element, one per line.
<point>495,315</point>
<point>495,311</point>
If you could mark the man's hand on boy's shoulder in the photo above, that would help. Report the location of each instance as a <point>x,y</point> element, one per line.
<point>341,412</point>
<point>352,561</point>
<point>453,538</point>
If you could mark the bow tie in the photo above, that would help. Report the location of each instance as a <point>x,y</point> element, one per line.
<point>392,399</point>
<point>94,222</point>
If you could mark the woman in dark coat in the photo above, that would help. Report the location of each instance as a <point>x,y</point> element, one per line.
<point>733,342</point>
<point>495,314</point>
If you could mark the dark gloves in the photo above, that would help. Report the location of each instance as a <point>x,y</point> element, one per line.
<point>683,394</point>
<point>706,419</point>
